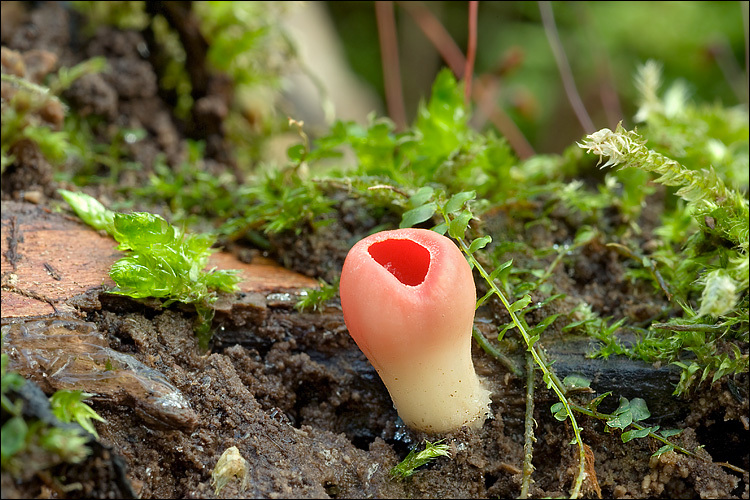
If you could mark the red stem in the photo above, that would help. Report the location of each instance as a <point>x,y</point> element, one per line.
<point>486,94</point>
<point>438,35</point>
<point>389,55</point>
<point>472,50</point>
<point>486,99</point>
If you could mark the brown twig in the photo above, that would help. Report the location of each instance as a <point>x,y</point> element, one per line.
<point>394,97</point>
<point>437,35</point>
<point>550,28</point>
<point>471,51</point>
<point>528,435</point>
<point>485,96</point>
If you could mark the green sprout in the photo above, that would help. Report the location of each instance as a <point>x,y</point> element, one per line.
<point>22,437</point>
<point>69,406</point>
<point>414,459</point>
<point>15,428</point>
<point>161,261</point>
<point>21,114</point>
<point>315,298</point>
<point>716,252</point>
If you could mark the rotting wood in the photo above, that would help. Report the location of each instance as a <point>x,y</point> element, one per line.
<point>73,355</point>
<point>49,258</point>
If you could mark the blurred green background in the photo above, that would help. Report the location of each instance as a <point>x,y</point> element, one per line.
<point>703,43</point>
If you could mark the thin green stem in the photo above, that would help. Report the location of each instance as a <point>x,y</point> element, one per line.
<point>495,353</point>
<point>551,268</point>
<point>549,377</point>
<point>690,328</point>
<point>528,435</point>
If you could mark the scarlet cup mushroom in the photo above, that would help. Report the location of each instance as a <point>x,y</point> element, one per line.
<point>408,297</point>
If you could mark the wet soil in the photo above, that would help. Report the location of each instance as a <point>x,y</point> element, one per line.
<point>292,391</point>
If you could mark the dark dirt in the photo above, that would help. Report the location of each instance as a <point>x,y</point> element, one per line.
<point>293,392</point>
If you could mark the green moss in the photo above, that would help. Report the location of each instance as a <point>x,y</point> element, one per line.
<point>162,261</point>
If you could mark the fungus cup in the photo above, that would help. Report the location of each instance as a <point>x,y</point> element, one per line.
<point>408,297</point>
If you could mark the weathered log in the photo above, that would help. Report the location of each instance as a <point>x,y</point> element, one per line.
<point>50,260</point>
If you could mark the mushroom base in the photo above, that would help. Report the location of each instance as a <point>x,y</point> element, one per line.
<point>438,392</point>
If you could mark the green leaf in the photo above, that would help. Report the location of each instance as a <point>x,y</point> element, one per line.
<point>634,434</point>
<point>533,339</point>
<point>575,324</point>
<point>417,215</point>
<point>520,303</point>
<point>502,267</point>
<point>575,382</point>
<point>141,275</point>
<point>13,437</point>
<point>441,228</point>
<point>584,235</point>
<point>69,406</point>
<point>623,406</point>
<point>559,412</point>
<point>142,230</point>
<point>663,449</point>
<point>639,410</point>
<point>422,196</point>
<point>479,243</point>
<point>620,421</point>
<point>442,123</point>
<point>90,210</point>
<point>505,329</point>
<point>315,298</point>
<point>68,444</point>
<point>594,404</point>
<point>622,416</point>
<point>456,202</point>
<point>414,459</point>
<point>224,280</point>
<point>670,432</point>
<point>457,227</point>
<point>484,298</point>
<point>296,153</point>
<point>542,325</point>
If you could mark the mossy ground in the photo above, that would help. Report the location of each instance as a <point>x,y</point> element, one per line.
<point>296,396</point>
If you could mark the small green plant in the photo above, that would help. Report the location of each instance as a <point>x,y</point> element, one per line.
<point>315,298</point>
<point>29,445</point>
<point>283,201</point>
<point>715,252</point>
<point>162,261</point>
<point>629,413</point>
<point>243,41</point>
<point>69,406</point>
<point>407,467</point>
<point>70,142</point>
<point>192,193</point>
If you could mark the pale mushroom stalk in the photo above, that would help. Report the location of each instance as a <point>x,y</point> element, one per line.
<point>408,297</point>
